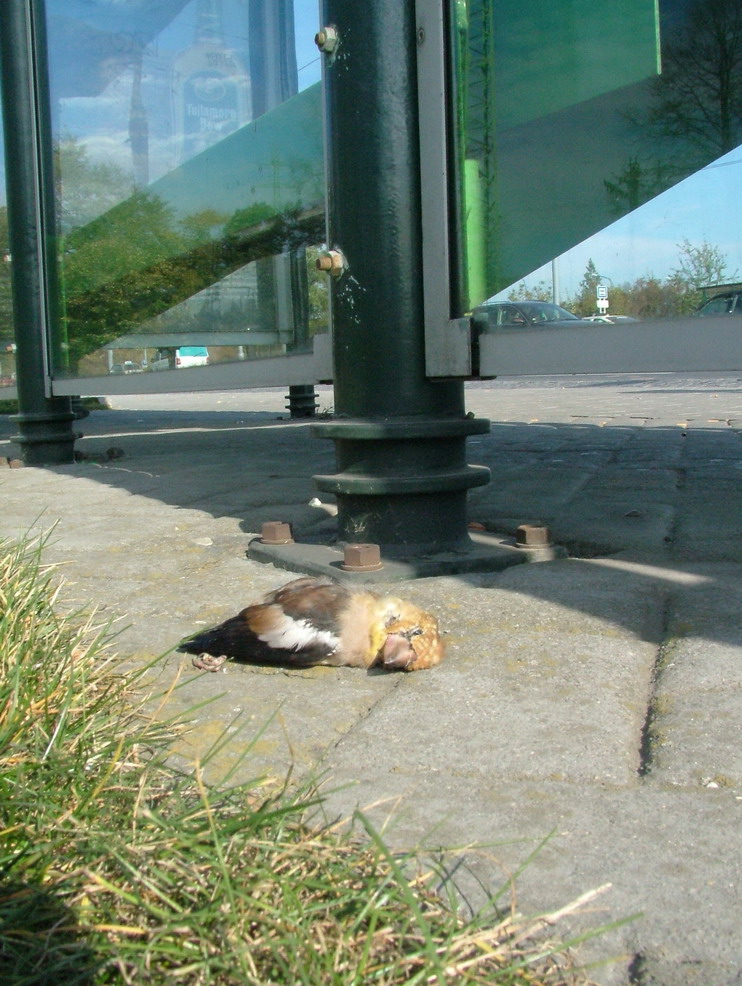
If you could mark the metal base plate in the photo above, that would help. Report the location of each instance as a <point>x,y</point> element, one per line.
<point>487,553</point>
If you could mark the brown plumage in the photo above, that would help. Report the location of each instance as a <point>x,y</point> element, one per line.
<point>317,621</point>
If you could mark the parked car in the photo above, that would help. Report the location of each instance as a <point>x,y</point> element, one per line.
<point>128,366</point>
<point>611,319</point>
<point>177,359</point>
<point>191,356</point>
<point>728,303</point>
<point>521,314</point>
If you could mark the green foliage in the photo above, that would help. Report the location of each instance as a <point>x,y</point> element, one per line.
<point>700,266</point>
<point>318,288</point>
<point>652,297</point>
<point>539,292</point>
<point>6,291</point>
<point>584,302</point>
<point>253,215</point>
<point>86,189</point>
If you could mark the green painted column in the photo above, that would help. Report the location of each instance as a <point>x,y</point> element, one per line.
<point>400,438</point>
<point>45,422</point>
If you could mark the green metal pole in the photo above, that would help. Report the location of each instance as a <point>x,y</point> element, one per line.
<point>400,438</point>
<point>45,422</point>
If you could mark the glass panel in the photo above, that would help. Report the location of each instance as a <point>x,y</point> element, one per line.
<point>7,336</point>
<point>597,154</point>
<point>189,162</point>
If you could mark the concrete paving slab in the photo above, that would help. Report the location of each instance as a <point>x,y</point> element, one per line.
<point>597,699</point>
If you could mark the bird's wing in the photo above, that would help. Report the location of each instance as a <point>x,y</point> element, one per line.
<point>296,624</point>
<point>318,602</point>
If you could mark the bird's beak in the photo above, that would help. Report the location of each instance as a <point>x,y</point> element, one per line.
<point>397,653</point>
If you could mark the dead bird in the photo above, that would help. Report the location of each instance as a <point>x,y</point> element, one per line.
<point>317,621</point>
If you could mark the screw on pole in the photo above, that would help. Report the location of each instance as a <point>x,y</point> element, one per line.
<point>332,262</point>
<point>326,40</point>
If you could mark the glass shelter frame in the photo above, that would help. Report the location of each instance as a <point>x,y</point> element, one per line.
<point>457,344</point>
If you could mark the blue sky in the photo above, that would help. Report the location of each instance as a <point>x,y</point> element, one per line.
<point>707,207</point>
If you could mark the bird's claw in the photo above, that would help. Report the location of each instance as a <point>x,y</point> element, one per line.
<point>207,662</point>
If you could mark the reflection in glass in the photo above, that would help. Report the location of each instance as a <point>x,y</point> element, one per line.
<point>572,117</point>
<point>7,336</point>
<point>189,173</point>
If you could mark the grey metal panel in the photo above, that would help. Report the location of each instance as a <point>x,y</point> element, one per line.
<point>703,344</point>
<point>447,342</point>
<point>170,340</point>
<point>280,371</point>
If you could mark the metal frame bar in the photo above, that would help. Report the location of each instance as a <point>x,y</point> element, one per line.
<point>447,340</point>
<point>44,421</point>
<point>279,371</point>
<point>25,178</point>
<point>661,345</point>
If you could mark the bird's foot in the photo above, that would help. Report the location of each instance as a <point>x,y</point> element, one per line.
<point>207,662</point>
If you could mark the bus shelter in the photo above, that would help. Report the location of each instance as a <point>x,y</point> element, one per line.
<point>213,194</point>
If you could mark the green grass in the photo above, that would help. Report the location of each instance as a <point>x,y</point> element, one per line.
<point>117,868</point>
<point>8,406</point>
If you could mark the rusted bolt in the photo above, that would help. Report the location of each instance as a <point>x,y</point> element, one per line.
<point>326,40</point>
<point>533,536</point>
<point>361,558</point>
<point>331,261</point>
<point>276,532</point>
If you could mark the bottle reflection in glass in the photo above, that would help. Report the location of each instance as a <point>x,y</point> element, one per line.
<point>211,86</point>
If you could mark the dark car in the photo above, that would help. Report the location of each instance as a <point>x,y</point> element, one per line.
<point>521,314</point>
<point>728,303</point>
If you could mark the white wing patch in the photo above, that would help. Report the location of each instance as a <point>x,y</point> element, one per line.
<point>289,634</point>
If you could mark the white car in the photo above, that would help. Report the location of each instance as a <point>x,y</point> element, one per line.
<point>178,359</point>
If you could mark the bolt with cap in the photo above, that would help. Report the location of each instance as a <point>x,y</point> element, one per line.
<point>326,40</point>
<point>331,261</point>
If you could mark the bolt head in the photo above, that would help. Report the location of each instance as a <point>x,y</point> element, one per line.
<point>276,532</point>
<point>331,261</point>
<point>533,536</point>
<point>326,40</point>
<point>361,558</point>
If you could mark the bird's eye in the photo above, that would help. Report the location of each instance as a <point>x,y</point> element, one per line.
<point>413,632</point>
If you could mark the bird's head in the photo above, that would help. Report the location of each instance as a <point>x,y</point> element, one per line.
<point>412,641</point>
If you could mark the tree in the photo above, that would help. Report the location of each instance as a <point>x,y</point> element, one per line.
<point>638,183</point>
<point>700,266</point>
<point>85,188</point>
<point>698,96</point>
<point>694,113</point>
<point>538,292</point>
<point>584,302</point>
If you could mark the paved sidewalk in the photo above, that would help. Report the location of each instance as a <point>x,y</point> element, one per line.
<point>596,699</point>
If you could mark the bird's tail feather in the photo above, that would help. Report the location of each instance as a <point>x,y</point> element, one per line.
<point>235,639</point>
